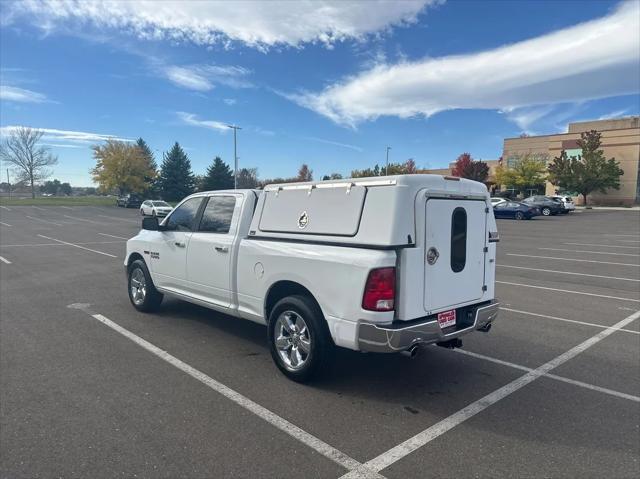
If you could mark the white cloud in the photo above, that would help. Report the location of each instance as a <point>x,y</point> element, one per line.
<point>334,143</point>
<point>192,119</point>
<point>12,93</point>
<point>205,77</point>
<point>595,59</point>
<point>73,137</point>
<point>615,114</point>
<point>230,101</point>
<point>255,23</point>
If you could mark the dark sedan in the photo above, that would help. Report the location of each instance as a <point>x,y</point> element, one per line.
<point>512,209</point>
<point>546,205</point>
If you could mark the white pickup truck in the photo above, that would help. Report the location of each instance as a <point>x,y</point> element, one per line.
<point>374,264</point>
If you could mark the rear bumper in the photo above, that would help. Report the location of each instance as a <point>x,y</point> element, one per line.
<point>392,338</point>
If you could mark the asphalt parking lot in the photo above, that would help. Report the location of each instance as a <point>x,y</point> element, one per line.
<point>91,388</point>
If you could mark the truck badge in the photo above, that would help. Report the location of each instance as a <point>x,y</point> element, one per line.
<point>303,220</point>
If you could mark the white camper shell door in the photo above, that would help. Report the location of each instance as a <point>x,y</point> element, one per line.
<point>454,253</point>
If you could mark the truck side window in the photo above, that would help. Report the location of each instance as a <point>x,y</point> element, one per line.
<point>181,218</point>
<point>458,239</point>
<point>217,215</point>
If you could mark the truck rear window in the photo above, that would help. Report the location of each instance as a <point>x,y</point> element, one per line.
<point>458,239</point>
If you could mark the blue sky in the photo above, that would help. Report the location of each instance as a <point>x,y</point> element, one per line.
<point>327,83</point>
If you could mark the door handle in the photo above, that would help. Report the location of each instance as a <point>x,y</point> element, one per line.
<point>222,249</point>
<point>179,244</point>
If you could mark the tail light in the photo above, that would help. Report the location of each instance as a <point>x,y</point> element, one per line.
<point>380,290</point>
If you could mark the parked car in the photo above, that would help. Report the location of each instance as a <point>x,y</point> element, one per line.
<point>155,208</point>
<point>496,200</point>
<point>546,205</point>
<point>515,210</point>
<point>129,201</point>
<point>567,202</point>
<point>316,265</point>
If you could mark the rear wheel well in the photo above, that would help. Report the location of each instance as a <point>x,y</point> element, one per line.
<point>282,289</point>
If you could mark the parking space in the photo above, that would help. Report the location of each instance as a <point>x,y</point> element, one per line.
<point>98,389</point>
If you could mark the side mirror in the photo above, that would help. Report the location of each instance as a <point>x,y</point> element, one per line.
<point>150,224</point>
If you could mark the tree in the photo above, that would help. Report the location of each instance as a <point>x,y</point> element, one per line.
<point>467,167</point>
<point>120,166</point>
<point>304,173</point>
<point>247,178</point>
<point>147,154</point>
<point>31,161</point>
<point>528,172</point>
<point>176,179</point>
<point>50,187</point>
<point>588,172</point>
<point>218,176</point>
<point>65,189</point>
<point>332,176</point>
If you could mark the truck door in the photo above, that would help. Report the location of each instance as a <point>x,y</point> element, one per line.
<point>211,249</point>
<point>454,252</point>
<point>168,255</point>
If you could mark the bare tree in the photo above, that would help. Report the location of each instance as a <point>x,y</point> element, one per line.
<point>30,160</point>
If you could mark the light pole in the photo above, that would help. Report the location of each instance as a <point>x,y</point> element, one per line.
<point>235,128</point>
<point>386,169</point>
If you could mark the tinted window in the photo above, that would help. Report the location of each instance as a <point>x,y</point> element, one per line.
<point>217,215</point>
<point>458,239</point>
<point>160,203</point>
<point>181,218</point>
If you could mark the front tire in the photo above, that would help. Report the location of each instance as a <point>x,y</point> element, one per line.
<point>519,215</point>
<point>546,211</point>
<point>142,293</point>
<point>299,340</point>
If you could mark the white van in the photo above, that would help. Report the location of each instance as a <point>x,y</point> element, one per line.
<point>374,264</point>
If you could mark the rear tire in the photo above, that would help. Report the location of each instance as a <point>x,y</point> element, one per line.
<point>142,293</point>
<point>519,215</point>
<point>299,339</point>
<point>546,211</point>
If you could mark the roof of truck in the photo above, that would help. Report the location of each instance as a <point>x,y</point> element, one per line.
<point>412,180</point>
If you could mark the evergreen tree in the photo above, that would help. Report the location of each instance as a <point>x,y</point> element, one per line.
<point>176,178</point>
<point>218,176</point>
<point>147,154</point>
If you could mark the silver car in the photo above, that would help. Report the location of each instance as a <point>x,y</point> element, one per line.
<point>566,201</point>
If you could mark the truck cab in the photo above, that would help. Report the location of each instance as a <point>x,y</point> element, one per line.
<point>376,264</point>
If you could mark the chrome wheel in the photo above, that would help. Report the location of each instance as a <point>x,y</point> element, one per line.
<point>138,285</point>
<point>292,340</point>
<point>546,211</point>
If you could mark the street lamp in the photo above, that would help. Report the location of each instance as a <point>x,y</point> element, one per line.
<point>386,169</point>
<point>235,128</point>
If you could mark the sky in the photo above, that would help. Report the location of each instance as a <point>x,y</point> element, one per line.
<point>326,83</point>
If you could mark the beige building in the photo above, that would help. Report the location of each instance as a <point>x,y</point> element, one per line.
<point>620,140</point>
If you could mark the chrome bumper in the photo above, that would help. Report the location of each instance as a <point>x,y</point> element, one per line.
<point>388,338</point>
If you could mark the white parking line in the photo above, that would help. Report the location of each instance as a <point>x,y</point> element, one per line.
<point>113,236</point>
<point>78,246</point>
<point>38,208</point>
<point>590,252</point>
<point>603,245</point>
<point>581,384</point>
<point>4,260</point>
<point>4,224</point>
<point>567,272</point>
<point>285,426</point>
<point>82,219</point>
<point>416,442</point>
<point>569,291</point>
<point>502,308</point>
<point>572,259</point>
<point>120,219</point>
<point>57,244</point>
<point>43,221</point>
<point>5,208</point>
<point>632,236</point>
<point>628,241</point>
<point>67,207</point>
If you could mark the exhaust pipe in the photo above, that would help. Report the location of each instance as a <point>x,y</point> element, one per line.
<point>486,328</point>
<point>412,352</point>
